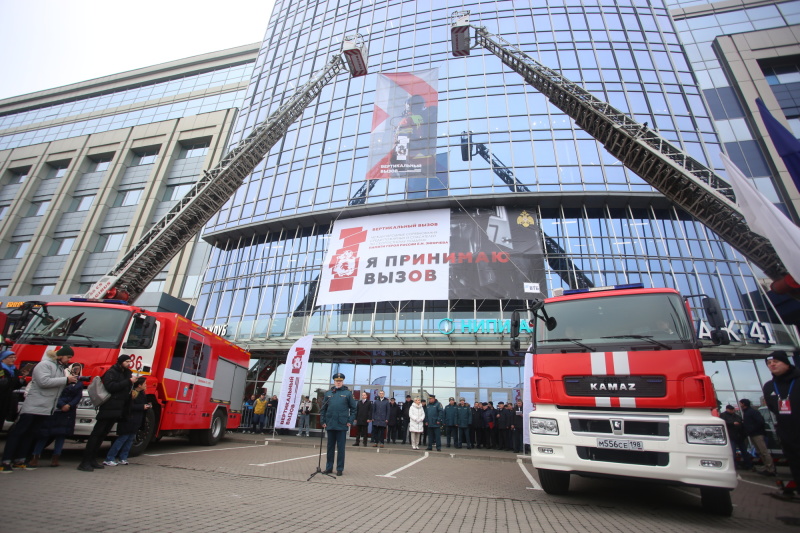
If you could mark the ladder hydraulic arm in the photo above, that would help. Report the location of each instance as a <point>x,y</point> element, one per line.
<point>682,179</point>
<point>556,255</point>
<point>165,239</point>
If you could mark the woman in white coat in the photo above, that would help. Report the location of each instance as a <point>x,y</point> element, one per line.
<point>416,418</point>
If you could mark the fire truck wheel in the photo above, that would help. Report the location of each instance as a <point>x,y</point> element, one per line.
<point>145,434</point>
<point>554,481</point>
<point>212,435</point>
<point>716,500</point>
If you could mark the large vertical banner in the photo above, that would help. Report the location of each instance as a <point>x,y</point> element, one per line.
<point>404,120</point>
<point>294,377</point>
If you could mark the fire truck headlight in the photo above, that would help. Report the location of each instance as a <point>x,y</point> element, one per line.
<point>714,435</point>
<point>85,403</point>
<point>544,426</point>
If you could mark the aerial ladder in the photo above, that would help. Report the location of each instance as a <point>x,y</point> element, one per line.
<point>556,256</point>
<point>682,179</point>
<point>151,254</point>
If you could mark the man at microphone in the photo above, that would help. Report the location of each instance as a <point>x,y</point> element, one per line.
<point>337,413</point>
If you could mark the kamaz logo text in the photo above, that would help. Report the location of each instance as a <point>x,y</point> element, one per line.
<point>612,386</point>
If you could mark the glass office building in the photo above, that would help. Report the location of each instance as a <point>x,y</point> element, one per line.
<point>605,224</point>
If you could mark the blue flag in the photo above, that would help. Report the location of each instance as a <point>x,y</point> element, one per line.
<point>786,144</point>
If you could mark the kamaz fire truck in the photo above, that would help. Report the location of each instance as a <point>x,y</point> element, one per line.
<point>619,390</point>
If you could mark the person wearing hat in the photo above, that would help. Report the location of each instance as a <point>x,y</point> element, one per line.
<point>463,419</point>
<point>782,394</point>
<point>735,426</point>
<point>755,427</point>
<point>118,380</point>
<point>336,415</point>
<point>451,422</point>
<point>46,385</point>
<point>434,416</point>
<point>394,420</point>
<point>11,379</point>
<point>404,419</point>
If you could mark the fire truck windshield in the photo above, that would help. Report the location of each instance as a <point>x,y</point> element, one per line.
<point>97,327</point>
<point>658,320</point>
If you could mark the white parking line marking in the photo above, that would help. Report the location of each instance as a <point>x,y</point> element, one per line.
<point>534,485</point>
<point>286,460</point>
<point>412,463</point>
<point>203,451</point>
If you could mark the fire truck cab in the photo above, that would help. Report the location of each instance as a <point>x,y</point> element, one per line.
<point>195,379</point>
<point>619,389</point>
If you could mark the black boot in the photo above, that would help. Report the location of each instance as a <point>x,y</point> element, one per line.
<point>85,467</point>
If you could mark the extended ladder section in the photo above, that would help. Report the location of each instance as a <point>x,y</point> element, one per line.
<point>682,179</point>
<point>165,239</point>
<point>556,256</point>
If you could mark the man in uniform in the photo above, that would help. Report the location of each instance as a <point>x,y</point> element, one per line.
<point>782,394</point>
<point>337,413</point>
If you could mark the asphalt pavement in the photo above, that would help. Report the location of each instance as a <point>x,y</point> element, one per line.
<point>261,483</point>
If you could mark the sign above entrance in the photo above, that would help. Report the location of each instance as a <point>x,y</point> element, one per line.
<point>474,253</point>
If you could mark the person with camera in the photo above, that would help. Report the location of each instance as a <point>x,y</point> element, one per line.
<point>45,388</point>
<point>128,427</point>
<point>304,417</point>
<point>118,380</point>
<point>62,422</point>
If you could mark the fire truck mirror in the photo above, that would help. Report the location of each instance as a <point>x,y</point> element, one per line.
<point>713,313</point>
<point>720,336</point>
<point>515,325</point>
<point>551,323</point>
<point>515,345</point>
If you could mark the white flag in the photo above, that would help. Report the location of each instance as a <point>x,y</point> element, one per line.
<point>294,377</point>
<point>766,219</point>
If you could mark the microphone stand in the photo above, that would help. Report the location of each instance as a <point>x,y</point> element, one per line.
<point>321,436</point>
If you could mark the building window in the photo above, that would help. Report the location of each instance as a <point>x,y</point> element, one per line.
<point>100,164</point>
<point>57,170</point>
<point>194,150</point>
<point>43,289</point>
<point>3,211</point>
<point>81,203</point>
<point>110,242</point>
<point>17,175</point>
<point>176,192</point>
<point>17,250</point>
<point>126,198</point>
<point>38,209</point>
<point>145,157</point>
<point>4,290</point>
<point>62,246</point>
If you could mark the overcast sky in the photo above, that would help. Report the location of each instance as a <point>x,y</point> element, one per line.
<point>50,43</point>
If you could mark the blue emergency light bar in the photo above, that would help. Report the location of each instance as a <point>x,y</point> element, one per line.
<point>626,286</point>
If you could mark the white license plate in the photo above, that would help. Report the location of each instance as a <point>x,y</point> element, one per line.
<point>619,444</point>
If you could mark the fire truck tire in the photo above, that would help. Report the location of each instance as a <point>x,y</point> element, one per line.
<point>145,434</point>
<point>554,481</point>
<point>716,500</point>
<point>212,435</point>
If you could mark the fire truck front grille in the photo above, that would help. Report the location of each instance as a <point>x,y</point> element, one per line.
<point>649,428</point>
<point>623,456</point>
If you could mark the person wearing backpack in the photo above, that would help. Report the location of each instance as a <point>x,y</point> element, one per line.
<point>118,381</point>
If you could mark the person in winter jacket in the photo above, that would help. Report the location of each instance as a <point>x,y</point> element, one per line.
<point>755,428</point>
<point>45,388</point>
<point>464,419</point>
<point>304,416</point>
<point>782,394</point>
<point>416,422</point>
<point>476,428</point>
<point>434,416</point>
<point>363,418</point>
<point>128,427</point>
<point>337,413</point>
<point>118,380</point>
<point>61,423</point>
<point>404,414</point>
<point>733,422</point>
<point>395,420</point>
<point>260,413</point>
<point>11,379</point>
<point>451,422</point>
<point>380,418</point>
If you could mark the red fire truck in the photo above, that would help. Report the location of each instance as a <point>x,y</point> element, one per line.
<point>195,379</point>
<point>619,389</point>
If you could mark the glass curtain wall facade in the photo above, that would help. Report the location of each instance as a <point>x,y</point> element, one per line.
<point>271,238</point>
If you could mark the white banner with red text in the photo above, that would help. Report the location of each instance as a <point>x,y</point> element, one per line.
<point>294,377</point>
